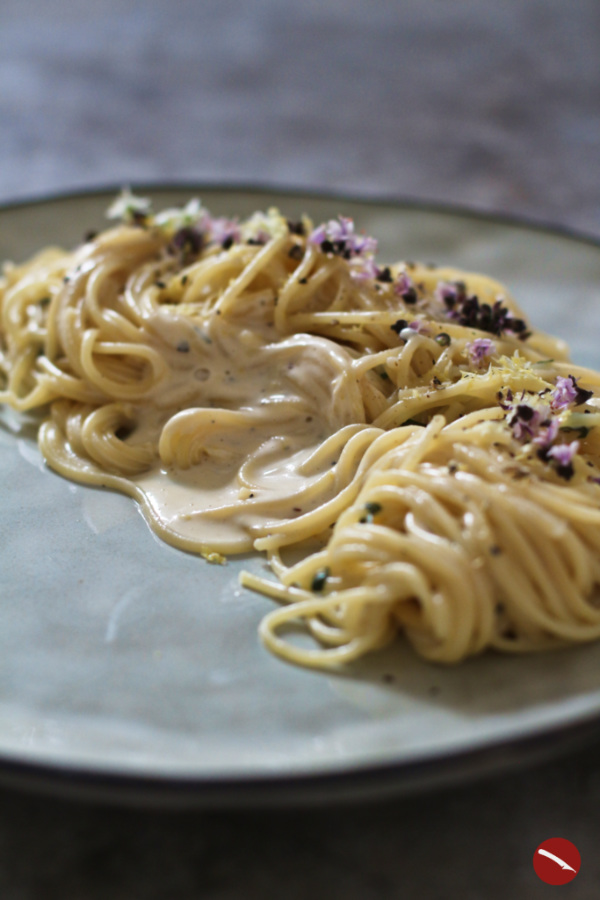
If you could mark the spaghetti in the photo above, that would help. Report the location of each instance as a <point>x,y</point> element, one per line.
<point>264,384</point>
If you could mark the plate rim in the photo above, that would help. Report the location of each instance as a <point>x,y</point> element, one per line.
<point>397,201</point>
<point>354,784</point>
<point>368,781</point>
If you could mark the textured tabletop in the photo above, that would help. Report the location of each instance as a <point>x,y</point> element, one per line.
<point>492,105</point>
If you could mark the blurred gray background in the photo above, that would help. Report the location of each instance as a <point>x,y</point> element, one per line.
<point>495,105</point>
<point>490,104</point>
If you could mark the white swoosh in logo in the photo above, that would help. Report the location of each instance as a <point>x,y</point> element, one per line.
<point>557,859</point>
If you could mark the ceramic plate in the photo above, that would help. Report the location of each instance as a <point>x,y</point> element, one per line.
<point>132,669</point>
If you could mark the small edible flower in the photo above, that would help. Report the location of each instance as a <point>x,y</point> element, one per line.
<point>129,208</point>
<point>480,349</point>
<point>567,391</point>
<point>363,268</point>
<point>564,453</point>
<point>190,215</point>
<point>405,288</point>
<point>527,421</point>
<point>419,326</point>
<point>537,425</point>
<point>532,423</point>
<point>261,227</point>
<point>562,456</point>
<point>448,293</point>
<point>224,231</point>
<point>339,237</point>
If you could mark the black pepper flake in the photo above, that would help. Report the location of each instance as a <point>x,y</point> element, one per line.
<point>297,509</point>
<point>303,281</point>
<point>410,296</point>
<point>565,472</point>
<point>469,312</point>
<point>435,380</point>
<point>582,396</point>
<point>371,510</point>
<point>495,550</point>
<point>384,275</point>
<point>524,412</point>
<point>296,252</point>
<point>250,495</point>
<point>228,242</point>
<point>183,347</point>
<point>296,228</point>
<point>399,326</point>
<point>318,582</point>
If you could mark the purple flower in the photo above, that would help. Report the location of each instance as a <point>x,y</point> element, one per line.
<point>563,453</point>
<point>525,422</point>
<point>479,349</point>
<point>448,293</point>
<point>567,391</point>
<point>530,423</point>
<point>564,394</point>
<point>548,434</point>
<point>404,284</point>
<point>318,235</point>
<point>338,237</point>
<point>405,287</point>
<point>341,230</point>
<point>363,268</point>
<point>224,231</point>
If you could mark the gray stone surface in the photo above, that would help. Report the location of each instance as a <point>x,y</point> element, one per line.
<point>496,105</point>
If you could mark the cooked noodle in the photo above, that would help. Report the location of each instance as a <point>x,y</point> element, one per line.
<point>262,384</point>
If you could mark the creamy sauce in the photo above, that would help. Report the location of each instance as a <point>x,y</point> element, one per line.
<point>239,419</point>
